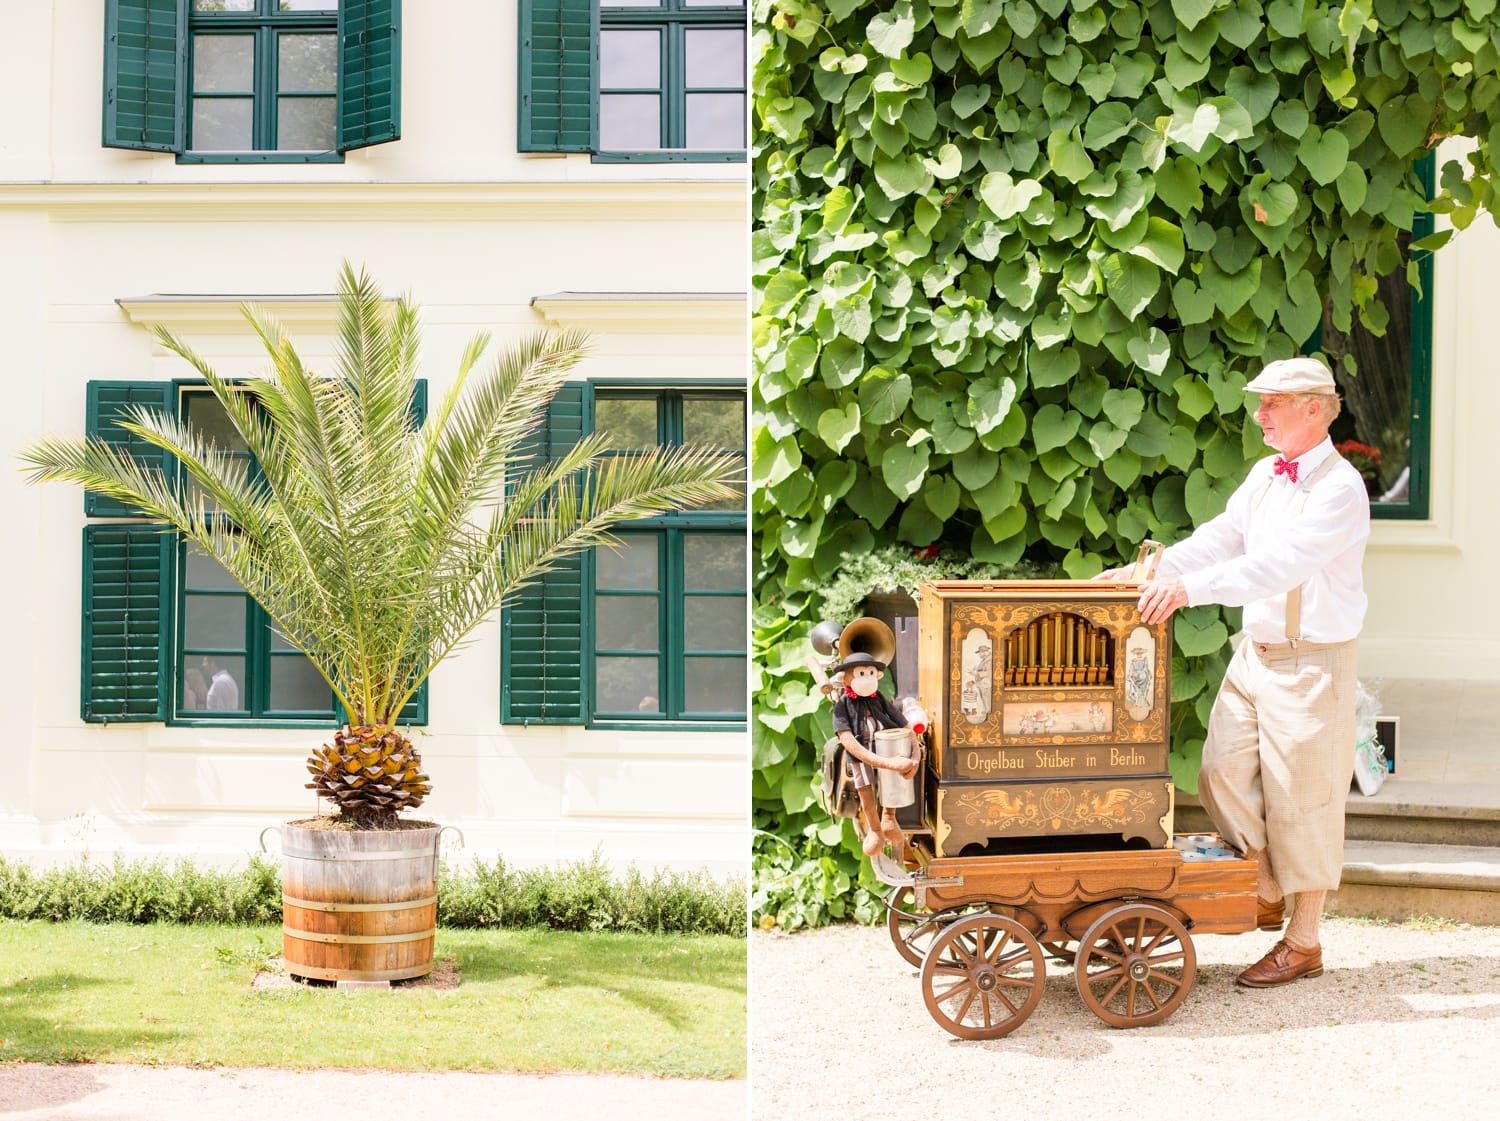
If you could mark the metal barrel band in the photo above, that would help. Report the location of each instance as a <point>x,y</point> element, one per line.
<point>361,939</point>
<point>312,905</point>
<point>319,973</point>
<point>382,854</point>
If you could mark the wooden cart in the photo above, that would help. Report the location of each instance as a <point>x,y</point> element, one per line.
<point>982,927</point>
<point>1043,820</point>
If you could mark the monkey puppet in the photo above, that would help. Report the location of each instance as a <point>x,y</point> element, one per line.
<point>858,713</point>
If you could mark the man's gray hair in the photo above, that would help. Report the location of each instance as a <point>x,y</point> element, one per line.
<point>1332,406</point>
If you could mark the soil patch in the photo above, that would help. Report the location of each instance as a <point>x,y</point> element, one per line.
<point>273,975</point>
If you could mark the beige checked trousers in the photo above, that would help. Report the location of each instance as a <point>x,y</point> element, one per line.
<point>1280,755</point>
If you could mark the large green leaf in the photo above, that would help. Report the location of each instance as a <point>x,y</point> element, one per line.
<point>836,427</point>
<point>1131,282</point>
<point>1006,197</point>
<point>1052,427</point>
<point>891,32</point>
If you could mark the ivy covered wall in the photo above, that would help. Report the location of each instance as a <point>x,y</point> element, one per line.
<point>1015,261</point>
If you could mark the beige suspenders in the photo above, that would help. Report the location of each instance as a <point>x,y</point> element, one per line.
<point>1294,597</point>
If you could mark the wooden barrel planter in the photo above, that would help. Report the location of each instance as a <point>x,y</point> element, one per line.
<point>358,905</point>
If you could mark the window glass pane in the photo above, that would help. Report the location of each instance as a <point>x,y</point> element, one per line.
<point>307,62</point>
<point>1373,432</point>
<point>194,695</point>
<point>714,685</point>
<point>203,572</point>
<point>207,418</point>
<point>630,59</point>
<point>224,676</point>
<point>631,4</point>
<point>305,124</point>
<point>221,124</point>
<point>626,623</point>
<point>627,423</point>
<point>713,3</point>
<point>715,57</point>
<point>715,121</point>
<point>713,562</point>
<point>718,422</point>
<point>223,64</point>
<point>307,5</point>
<point>213,621</point>
<point>296,684</point>
<point>223,5</point>
<point>629,122</point>
<point>714,623</point>
<point>629,566</point>
<point>627,685</point>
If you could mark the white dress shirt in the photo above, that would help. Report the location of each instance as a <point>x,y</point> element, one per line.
<point>1253,558</point>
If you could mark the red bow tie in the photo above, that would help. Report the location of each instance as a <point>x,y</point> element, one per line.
<point>1287,468</point>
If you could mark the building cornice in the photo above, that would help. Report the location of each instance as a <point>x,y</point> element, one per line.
<point>645,312</point>
<point>531,200</point>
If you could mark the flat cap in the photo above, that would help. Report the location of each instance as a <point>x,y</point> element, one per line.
<point>1293,375</point>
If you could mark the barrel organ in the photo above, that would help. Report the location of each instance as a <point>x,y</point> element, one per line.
<point>1049,704</point>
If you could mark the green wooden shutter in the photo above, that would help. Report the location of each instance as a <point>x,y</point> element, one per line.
<point>543,629</point>
<point>558,103</point>
<point>369,73</point>
<point>145,56</point>
<point>106,400</point>
<point>127,571</point>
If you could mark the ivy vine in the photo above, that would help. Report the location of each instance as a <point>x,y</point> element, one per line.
<point>1015,260</point>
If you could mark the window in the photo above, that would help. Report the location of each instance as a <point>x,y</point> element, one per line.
<point>1384,428</point>
<point>251,80</point>
<point>167,633</point>
<point>634,79</point>
<point>654,630</point>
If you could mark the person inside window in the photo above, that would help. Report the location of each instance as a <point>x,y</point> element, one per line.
<point>223,690</point>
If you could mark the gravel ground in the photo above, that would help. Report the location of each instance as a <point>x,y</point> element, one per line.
<point>33,1092</point>
<point>1404,1024</point>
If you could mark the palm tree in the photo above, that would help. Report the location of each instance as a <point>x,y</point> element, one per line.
<point>376,547</point>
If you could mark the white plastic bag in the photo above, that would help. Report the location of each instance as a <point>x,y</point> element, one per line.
<point>1369,755</point>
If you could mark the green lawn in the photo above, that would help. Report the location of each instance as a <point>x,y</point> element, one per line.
<point>529,1001</point>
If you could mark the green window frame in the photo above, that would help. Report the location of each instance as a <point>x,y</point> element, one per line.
<point>572,650</point>
<point>1387,407</point>
<point>149,73</point>
<point>569,88</point>
<point>138,588</point>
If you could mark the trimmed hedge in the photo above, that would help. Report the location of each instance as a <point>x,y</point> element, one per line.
<point>585,895</point>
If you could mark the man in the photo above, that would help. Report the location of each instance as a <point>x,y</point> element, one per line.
<point>1280,752</point>
<point>223,692</point>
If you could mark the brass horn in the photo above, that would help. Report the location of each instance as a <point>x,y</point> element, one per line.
<point>870,636</point>
<point>825,637</point>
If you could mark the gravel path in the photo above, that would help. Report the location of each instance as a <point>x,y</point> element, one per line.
<point>33,1092</point>
<point>1404,1024</point>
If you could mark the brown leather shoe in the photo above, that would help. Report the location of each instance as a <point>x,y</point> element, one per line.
<point>1270,916</point>
<point>1285,963</point>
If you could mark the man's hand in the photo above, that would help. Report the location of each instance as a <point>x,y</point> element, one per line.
<point>1115,573</point>
<point>1159,598</point>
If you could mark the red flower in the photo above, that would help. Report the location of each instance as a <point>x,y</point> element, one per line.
<point>1359,454</point>
<point>925,552</point>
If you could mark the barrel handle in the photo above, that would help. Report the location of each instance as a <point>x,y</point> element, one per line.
<point>437,844</point>
<point>269,829</point>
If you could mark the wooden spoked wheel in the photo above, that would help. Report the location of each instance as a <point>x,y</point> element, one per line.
<point>911,930</point>
<point>1135,965</point>
<point>983,976</point>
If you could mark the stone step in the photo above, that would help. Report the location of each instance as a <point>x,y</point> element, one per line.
<point>1434,813</point>
<point>1399,880</point>
<point>1407,853</point>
